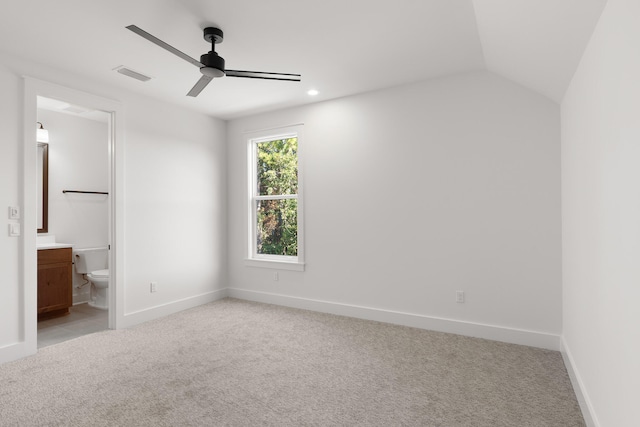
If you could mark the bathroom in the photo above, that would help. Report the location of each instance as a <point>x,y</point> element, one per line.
<point>77,213</point>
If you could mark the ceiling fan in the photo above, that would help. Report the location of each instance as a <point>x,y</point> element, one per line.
<point>211,64</point>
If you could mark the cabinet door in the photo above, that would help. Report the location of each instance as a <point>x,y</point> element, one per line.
<point>54,287</point>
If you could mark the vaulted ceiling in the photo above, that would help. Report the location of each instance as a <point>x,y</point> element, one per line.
<point>341,47</point>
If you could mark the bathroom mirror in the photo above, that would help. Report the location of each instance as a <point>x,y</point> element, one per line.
<point>43,187</point>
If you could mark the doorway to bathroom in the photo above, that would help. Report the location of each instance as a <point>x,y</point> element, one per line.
<point>77,215</point>
<point>85,136</point>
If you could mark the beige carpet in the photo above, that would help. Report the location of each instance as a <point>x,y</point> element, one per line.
<point>236,363</point>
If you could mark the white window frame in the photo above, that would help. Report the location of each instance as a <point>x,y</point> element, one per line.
<point>283,262</point>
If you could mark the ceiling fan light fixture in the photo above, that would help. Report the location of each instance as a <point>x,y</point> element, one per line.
<point>211,72</point>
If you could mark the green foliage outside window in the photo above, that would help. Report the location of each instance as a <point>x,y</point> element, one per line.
<point>277,219</point>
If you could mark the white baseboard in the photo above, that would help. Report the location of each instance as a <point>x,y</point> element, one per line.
<point>491,332</point>
<point>578,386</point>
<point>137,317</point>
<point>15,351</point>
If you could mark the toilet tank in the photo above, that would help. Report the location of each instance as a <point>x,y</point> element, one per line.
<point>90,259</point>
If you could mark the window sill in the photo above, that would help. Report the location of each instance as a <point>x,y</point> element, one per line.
<point>280,265</point>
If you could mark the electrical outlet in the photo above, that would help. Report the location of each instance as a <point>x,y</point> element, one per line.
<point>459,296</point>
<point>153,287</point>
<point>276,276</point>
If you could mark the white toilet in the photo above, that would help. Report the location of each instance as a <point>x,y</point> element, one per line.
<point>94,263</point>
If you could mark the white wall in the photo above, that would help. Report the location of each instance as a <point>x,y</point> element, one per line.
<point>415,192</point>
<point>601,218</point>
<point>10,195</point>
<point>176,210</point>
<point>175,192</point>
<point>78,160</point>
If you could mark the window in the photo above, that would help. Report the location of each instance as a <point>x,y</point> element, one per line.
<point>275,205</point>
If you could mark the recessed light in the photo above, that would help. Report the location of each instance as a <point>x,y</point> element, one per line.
<point>312,92</point>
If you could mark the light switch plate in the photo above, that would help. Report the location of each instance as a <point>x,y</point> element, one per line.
<point>14,212</point>
<point>14,229</point>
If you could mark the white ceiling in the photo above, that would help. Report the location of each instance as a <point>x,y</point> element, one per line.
<point>340,47</point>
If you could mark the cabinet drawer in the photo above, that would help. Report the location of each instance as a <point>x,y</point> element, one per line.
<point>54,256</point>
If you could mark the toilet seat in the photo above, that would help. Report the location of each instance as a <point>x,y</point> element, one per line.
<point>100,274</point>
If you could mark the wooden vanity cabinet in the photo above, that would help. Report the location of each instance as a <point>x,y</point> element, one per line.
<point>54,282</point>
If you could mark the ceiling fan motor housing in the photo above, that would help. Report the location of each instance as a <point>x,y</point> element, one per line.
<point>212,60</point>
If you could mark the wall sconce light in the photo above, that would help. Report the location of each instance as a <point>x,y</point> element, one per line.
<point>43,134</point>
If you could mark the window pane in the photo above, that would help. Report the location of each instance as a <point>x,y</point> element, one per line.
<point>277,167</point>
<point>277,227</point>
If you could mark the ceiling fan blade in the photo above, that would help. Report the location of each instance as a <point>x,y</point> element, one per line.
<point>155,40</point>
<point>263,75</point>
<point>201,84</point>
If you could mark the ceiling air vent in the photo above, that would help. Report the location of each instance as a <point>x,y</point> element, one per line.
<point>131,73</point>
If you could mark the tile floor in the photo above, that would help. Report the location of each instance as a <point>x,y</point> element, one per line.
<point>82,320</point>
